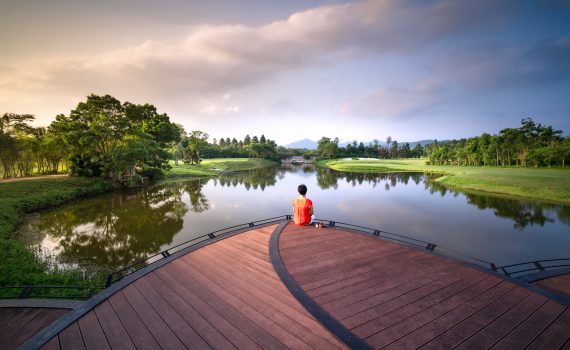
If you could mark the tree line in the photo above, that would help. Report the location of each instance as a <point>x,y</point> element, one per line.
<point>328,148</point>
<point>531,144</point>
<point>194,146</point>
<point>106,138</point>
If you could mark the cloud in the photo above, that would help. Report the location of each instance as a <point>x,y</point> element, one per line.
<point>496,67</point>
<point>397,102</point>
<point>215,58</point>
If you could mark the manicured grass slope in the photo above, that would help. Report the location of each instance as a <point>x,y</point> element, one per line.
<point>213,167</point>
<point>537,183</point>
<point>17,264</point>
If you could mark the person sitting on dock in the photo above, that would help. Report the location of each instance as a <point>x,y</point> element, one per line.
<point>302,208</point>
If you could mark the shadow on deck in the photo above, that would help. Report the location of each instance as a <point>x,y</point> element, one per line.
<point>283,286</point>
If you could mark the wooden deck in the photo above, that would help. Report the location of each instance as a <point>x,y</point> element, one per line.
<point>559,285</point>
<point>19,324</point>
<point>396,297</point>
<point>224,296</point>
<point>234,293</point>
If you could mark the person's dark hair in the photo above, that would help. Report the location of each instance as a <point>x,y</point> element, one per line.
<point>302,190</point>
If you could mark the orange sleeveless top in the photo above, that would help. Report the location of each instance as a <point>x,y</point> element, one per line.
<point>302,211</point>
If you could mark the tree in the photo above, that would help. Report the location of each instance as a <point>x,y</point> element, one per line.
<point>327,148</point>
<point>96,129</point>
<point>197,141</point>
<point>262,139</point>
<point>12,127</point>
<point>246,140</point>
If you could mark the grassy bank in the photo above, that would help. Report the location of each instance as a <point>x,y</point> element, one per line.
<point>214,167</point>
<point>17,264</point>
<point>20,266</point>
<point>544,184</point>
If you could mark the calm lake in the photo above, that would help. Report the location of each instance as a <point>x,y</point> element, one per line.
<point>113,230</point>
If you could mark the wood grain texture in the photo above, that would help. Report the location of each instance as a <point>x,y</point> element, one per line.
<point>398,297</point>
<point>225,295</point>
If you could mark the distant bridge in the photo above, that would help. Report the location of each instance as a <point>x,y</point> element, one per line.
<point>297,160</point>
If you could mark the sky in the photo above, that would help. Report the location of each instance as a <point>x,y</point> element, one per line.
<point>356,70</point>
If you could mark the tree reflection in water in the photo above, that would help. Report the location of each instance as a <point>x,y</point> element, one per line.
<point>117,229</point>
<point>253,179</point>
<point>523,213</point>
<point>121,228</point>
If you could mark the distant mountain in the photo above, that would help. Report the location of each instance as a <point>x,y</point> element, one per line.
<point>306,144</point>
<point>310,144</point>
<point>421,142</point>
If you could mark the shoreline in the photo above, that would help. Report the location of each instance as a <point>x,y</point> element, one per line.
<point>550,185</point>
<point>22,196</point>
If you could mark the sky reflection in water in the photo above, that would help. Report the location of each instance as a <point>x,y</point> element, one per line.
<point>115,229</point>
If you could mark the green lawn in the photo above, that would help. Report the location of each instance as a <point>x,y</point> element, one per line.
<point>545,184</point>
<point>214,167</point>
<point>18,265</point>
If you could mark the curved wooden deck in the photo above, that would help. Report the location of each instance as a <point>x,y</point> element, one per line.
<point>396,297</point>
<point>225,295</point>
<point>371,293</point>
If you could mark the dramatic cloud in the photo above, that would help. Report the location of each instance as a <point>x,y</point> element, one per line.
<point>217,58</point>
<point>340,65</point>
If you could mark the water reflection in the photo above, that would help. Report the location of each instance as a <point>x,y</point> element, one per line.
<point>523,213</point>
<point>117,229</point>
<point>252,179</point>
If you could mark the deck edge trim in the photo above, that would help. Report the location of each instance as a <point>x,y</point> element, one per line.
<point>322,316</point>
<point>43,336</point>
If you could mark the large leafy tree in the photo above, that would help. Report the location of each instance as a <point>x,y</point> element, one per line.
<point>107,137</point>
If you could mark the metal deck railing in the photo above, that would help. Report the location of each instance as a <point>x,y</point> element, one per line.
<point>513,270</point>
<point>118,275</point>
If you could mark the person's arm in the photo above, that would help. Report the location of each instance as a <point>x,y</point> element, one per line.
<point>311,209</point>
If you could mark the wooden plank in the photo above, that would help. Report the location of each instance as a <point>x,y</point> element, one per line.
<point>21,322</point>
<point>558,284</point>
<point>42,319</point>
<point>372,265</point>
<point>9,315</point>
<point>398,310</point>
<point>114,330</point>
<point>503,325</point>
<point>214,260</point>
<point>228,329</point>
<point>458,325</point>
<point>311,258</point>
<point>52,344</point>
<point>177,324</point>
<point>70,338</point>
<point>252,312</point>
<point>382,264</point>
<point>205,329</point>
<point>224,256</point>
<point>478,321</point>
<point>135,327</point>
<point>260,336</point>
<point>532,327</point>
<point>154,323</point>
<point>280,310</point>
<point>387,279</point>
<point>556,335</point>
<point>273,288</point>
<point>365,311</point>
<point>365,278</point>
<point>93,335</point>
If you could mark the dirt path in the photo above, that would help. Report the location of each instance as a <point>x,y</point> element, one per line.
<point>12,179</point>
